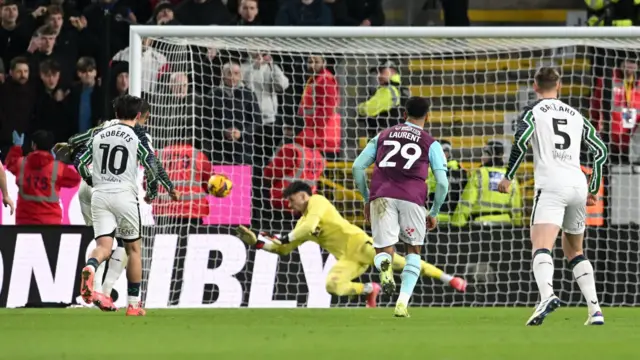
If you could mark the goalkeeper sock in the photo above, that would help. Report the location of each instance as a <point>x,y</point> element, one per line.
<point>543,272</point>
<point>99,275</point>
<point>133,292</point>
<point>583,273</point>
<point>367,289</point>
<point>93,262</point>
<point>117,262</point>
<point>410,275</point>
<point>379,258</point>
<point>431,271</point>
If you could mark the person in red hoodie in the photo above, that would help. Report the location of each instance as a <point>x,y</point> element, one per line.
<point>39,178</point>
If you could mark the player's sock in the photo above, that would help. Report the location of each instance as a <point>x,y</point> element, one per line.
<point>543,272</point>
<point>117,263</point>
<point>410,275</point>
<point>97,280</point>
<point>433,272</point>
<point>583,273</point>
<point>379,258</point>
<point>367,289</point>
<point>133,292</point>
<point>93,262</point>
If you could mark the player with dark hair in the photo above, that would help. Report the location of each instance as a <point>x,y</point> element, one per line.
<point>558,132</point>
<point>351,246</point>
<point>397,204</point>
<point>115,209</point>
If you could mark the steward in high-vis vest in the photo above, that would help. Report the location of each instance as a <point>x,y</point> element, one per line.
<point>292,162</point>
<point>457,181</point>
<point>39,178</point>
<point>385,107</point>
<point>481,203</point>
<point>189,170</point>
<point>612,12</point>
<point>595,212</point>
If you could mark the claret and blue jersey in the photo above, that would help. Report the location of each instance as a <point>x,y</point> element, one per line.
<point>403,155</point>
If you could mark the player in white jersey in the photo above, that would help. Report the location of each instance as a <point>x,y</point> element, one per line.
<point>69,153</point>
<point>557,131</point>
<point>117,149</point>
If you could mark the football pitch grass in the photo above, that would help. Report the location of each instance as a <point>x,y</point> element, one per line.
<point>304,334</point>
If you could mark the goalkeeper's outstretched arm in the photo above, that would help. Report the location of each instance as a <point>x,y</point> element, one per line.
<point>282,245</point>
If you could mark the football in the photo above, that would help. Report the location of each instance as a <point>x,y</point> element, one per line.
<point>219,185</point>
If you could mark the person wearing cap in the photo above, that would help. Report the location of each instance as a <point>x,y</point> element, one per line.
<point>457,180</point>
<point>481,202</point>
<point>383,108</point>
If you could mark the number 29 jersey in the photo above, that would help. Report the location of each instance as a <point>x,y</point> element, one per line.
<point>402,164</point>
<point>116,150</point>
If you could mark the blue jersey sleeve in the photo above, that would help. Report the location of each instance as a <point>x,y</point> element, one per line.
<point>438,163</point>
<point>364,160</point>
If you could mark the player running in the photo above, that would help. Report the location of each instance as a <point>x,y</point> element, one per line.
<point>351,246</point>
<point>396,207</point>
<point>561,192</point>
<point>70,152</point>
<point>115,208</point>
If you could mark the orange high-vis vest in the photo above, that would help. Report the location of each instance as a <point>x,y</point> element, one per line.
<point>595,213</point>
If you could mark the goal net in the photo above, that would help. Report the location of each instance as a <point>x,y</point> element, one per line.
<point>249,100</point>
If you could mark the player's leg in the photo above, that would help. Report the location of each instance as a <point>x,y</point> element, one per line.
<point>104,225</point>
<point>129,231</point>
<point>428,270</point>
<point>117,263</point>
<point>339,282</point>
<point>546,220</point>
<point>413,230</point>
<point>572,246</point>
<point>84,198</point>
<point>385,229</point>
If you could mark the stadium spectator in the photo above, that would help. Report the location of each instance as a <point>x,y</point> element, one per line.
<point>45,49</point>
<point>17,101</point>
<point>357,12</point>
<point>119,84</point>
<point>94,20</point>
<point>163,14</point>
<point>185,104</point>
<point>236,111</point>
<point>153,64</point>
<point>457,182</point>
<point>318,107</point>
<point>39,178</point>
<point>384,107</point>
<point>86,99</point>
<point>203,12</point>
<point>248,13</point>
<point>67,41</point>
<point>304,13</point>
<point>481,202</point>
<point>189,169</point>
<point>51,110</point>
<point>14,35</point>
<point>625,105</point>
<point>292,162</point>
<point>267,81</point>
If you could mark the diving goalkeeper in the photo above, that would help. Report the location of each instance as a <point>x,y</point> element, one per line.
<point>351,246</point>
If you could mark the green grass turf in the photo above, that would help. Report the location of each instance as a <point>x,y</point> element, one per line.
<point>305,334</point>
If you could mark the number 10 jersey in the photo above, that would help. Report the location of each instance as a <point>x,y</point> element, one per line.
<point>402,164</point>
<point>116,150</point>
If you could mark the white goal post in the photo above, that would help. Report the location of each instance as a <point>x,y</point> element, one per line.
<point>477,78</point>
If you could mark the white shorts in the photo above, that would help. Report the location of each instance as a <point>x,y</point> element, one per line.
<point>565,207</point>
<point>393,220</point>
<point>116,214</point>
<point>84,197</point>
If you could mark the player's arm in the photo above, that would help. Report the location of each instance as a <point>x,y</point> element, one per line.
<point>154,171</point>
<point>80,138</point>
<point>82,164</point>
<point>516,204</point>
<point>438,163</point>
<point>360,166</point>
<point>525,127</point>
<point>599,149</point>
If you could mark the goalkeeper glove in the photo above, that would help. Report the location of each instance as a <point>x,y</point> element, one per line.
<point>249,237</point>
